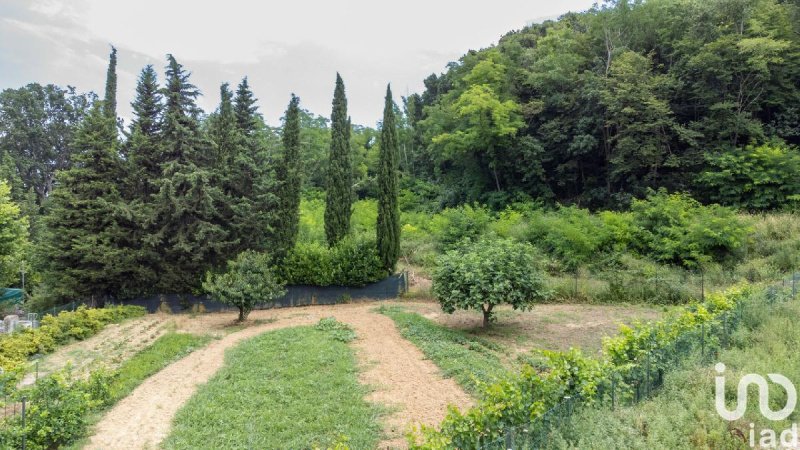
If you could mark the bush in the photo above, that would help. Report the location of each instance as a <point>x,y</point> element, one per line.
<point>354,261</point>
<point>453,225</point>
<point>572,235</point>
<point>55,330</point>
<point>487,273</point>
<point>675,228</point>
<point>249,281</point>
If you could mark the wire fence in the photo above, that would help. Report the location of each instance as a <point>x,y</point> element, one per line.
<point>645,376</point>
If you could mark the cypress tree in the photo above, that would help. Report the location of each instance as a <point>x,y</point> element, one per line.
<point>186,220</point>
<point>84,252</point>
<point>388,223</point>
<point>110,99</point>
<point>339,197</point>
<point>289,182</point>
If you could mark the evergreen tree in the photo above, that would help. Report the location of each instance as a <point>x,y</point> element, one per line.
<point>245,109</point>
<point>339,198</point>
<point>289,182</point>
<point>110,99</point>
<point>388,224</point>
<point>187,230</point>
<point>143,150</point>
<point>84,253</point>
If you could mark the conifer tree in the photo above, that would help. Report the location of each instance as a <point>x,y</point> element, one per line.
<point>143,150</point>
<point>110,99</point>
<point>289,182</point>
<point>245,109</point>
<point>187,230</point>
<point>84,254</point>
<point>339,198</point>
<point>388,223</point>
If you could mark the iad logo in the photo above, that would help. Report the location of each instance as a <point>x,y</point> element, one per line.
<point>788,438</point>
<point>763,395</point>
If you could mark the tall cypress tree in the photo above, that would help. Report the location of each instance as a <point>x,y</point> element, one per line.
<point>187,230</point>
<point>110,99</point>
<point>339,198</point>
<point>388,224</point>
<point>289,182</point>
<point>83,251</point>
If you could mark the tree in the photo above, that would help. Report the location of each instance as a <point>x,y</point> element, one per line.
<point>249,281</point>
<point>110,99</point>
<point>388,224</point>
<point>245,109</point>
<point>290,181</point>
<point>36,130</point>
<point>13,236</point>
<point>143,150</point>
<point>481,275</point>
<point>187,228</point>
<point>339,200</point>
<point>82,253</point>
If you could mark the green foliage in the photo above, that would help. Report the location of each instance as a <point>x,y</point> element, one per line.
<point>481,275</point>
<point>521,398</point>
<point>248,281</point>
<point>472,362</point>
<point>56,330</point>
<point>674,228</point>
<point>756,177</point>
<point>388,223</point>
<point>574,236</point>
<point>354,261</point>
<point>110,99</point>
<point>318,400</point>
<point>454,225</point>
<point>339,331</point>
<point>13,237</point>
<point>290,181</point>
<point>339,198</point>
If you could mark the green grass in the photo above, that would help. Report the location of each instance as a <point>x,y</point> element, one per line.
<point>682,415</point>
<point>161,353</point>
<point>467,359</point>
<point>290,388</point>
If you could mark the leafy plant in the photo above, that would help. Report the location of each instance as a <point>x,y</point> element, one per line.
<point>486,273</point>
<point>249,281</point>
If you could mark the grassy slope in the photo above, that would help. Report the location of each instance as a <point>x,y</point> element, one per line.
<point>467,359</point>
<point>291,388</point>
<point>682,415</point>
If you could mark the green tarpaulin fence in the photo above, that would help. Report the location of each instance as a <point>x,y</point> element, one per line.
<point>10,295</point>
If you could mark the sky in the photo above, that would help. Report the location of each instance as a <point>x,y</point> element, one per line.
<point>282,47</point>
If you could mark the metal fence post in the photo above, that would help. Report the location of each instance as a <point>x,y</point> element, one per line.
<point>794,284</point>
<point>24,432</point>
<point>702,340</point>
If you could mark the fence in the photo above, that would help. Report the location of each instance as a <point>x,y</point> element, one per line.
<point>390,287</point>
<point>630,387</point>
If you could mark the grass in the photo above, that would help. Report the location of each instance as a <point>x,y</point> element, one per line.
<point>683,415</point>
<point>470,361</point>
<point>161,353</point>
<point>290,388</point>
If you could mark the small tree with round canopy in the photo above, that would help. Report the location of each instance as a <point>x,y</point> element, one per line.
<point>481,275</point>
<point>249,281</point>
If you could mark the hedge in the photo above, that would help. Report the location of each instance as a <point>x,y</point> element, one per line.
<point>352,262</point>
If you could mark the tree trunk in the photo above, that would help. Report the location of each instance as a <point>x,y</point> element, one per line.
<point>487,315</point>
<point>242,314</point>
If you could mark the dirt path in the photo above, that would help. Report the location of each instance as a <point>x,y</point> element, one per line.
<point>400,375</point>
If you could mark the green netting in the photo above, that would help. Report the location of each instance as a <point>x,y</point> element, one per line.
<point>11,296</point>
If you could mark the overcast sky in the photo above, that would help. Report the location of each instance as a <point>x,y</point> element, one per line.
<point>283,47</point>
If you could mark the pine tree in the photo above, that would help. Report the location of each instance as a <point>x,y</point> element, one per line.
<point>249,177</point>
<point>187,230</point>
<point>245,109</point>
<point>110,99</point>
<point>143,151</point>
<point>83,252</point>
<point>388,224</point>
<point>289,182</point>
<point>339,198</point>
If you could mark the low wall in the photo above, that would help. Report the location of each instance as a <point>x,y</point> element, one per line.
<point>388,288</point>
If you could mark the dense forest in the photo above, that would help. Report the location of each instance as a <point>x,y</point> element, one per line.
<point>595,109</point>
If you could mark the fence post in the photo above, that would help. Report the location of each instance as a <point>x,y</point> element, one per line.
<point>794,284</point>
<point>703,341</point>
<point>24,432</point>
<point>702,286</point>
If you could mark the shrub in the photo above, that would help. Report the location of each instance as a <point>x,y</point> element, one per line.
<point>249,281</point>
<point>675,228</point>
<point>572,235</point>
<point>453,225</point>
<point>353,261</point>
<point>487,273</point>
